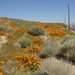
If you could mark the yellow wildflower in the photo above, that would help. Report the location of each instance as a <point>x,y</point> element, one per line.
<point>7,72</point>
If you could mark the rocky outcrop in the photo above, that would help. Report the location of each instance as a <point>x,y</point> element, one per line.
<point>3,40</point>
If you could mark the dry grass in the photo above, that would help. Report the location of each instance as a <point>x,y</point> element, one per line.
<point>10,68</point>
<point>57,67</point>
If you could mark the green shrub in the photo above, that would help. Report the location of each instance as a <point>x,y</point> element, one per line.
<point>36,30</point>
<point>6,28</point>
<point>71,47</point>
<point>66,39</point>
<point>48,51</point>
<point>68,47</point>
<point>25,42</point>
<point>63,49</point>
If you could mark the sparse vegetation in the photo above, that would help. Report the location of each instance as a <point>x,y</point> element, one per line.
<point>27,42</point>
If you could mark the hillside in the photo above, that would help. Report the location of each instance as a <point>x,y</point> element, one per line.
<point>26,47</point>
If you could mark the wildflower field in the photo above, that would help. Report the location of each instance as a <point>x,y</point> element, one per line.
<point>36,48</point>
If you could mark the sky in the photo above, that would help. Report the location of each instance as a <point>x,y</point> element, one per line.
<point>38,10</point>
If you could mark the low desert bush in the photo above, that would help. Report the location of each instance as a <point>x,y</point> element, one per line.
<point>25,42</point>
<point>66,39</point>
<point>68,48</point>
<point>56,67</point>
<point>36,30</point>
<point>48,51</point>
<point>6,28</point>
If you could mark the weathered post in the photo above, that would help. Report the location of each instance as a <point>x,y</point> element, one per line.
<point>68,17</point>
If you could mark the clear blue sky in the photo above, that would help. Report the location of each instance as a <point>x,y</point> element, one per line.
<point>38,10</point>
